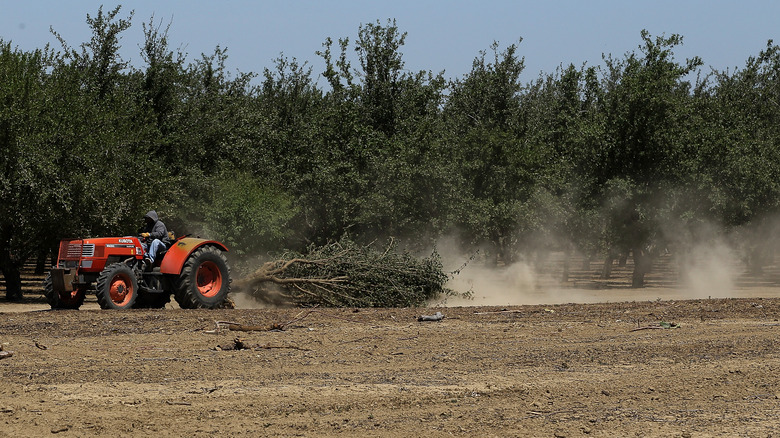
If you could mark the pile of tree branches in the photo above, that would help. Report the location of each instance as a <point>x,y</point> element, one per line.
<point>346,274</point>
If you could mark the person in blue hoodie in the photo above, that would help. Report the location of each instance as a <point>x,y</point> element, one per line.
<point>155,235</point>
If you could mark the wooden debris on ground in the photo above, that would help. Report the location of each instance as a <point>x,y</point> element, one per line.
<point>438,316</point>
<point>240,344</point>
<point>498,311</point>
<point>274,327</point>
<point>661,326</point>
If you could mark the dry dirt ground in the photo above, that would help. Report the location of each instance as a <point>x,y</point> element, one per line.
<point>547,370</point>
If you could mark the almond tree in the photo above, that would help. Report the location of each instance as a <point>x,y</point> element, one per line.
<point>739,166</point>
<point>647,107</point>
<point>75,146</point>
<point>29,189</point>
<point>497,168</point>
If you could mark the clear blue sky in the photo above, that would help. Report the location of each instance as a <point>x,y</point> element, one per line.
<point>442,35</point>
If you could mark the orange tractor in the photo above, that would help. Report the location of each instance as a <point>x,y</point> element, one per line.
<point>194,271</point>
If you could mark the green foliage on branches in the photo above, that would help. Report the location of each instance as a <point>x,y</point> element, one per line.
<point>28,188</point>
<point>612,159</point>
<point>250,218</point>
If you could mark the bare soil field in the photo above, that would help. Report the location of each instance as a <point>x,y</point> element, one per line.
<point>632,365</point>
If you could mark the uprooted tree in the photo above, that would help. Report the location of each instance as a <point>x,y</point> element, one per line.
<point>346,274</point>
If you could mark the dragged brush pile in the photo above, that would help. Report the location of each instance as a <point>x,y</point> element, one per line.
<point>346,274</point>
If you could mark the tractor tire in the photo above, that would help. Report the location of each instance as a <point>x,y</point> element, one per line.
<point>65,300</point>
<point>204,281</point>
<point>117,287</point>
<point>152,301</point>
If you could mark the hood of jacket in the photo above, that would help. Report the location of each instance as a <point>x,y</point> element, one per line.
<point>152,215</point>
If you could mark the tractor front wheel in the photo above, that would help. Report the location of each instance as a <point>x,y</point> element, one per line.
<point>117,287</point>
<point>204,281</point>
<point>64,300</point>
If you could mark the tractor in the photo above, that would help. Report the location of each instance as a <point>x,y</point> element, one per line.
<point>193,270</point>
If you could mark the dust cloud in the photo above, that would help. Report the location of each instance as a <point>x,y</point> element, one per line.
<point>245,300</point>
<point>706,264</point>
<point>483,286</point>
<point>519,284</point>
<point>710,270</point>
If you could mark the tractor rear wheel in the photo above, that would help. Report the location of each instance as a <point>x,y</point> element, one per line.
<point>204,281</point>
<point>117,287</point>
<point>64,300</point>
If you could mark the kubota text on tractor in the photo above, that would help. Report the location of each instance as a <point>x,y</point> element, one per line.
<point>194,271</point>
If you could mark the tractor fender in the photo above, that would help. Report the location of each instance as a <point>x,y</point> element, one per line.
<point>180,250</point>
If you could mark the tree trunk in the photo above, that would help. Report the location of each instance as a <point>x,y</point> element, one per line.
<point>13,281</point>
<point>40,263</point>
<point>586,262</point>
<point>499,249</point>
<point>637,278</point>
<point>641,267</point>
<point>606,271</point>
<point>756,260</point>
<point>566,263</point>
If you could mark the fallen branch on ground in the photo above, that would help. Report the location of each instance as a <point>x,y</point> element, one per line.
<point>435,317</point>
<point>661,326</point>
<point>498,311</point>
<point>255,328</point>
<point>345,274</point>
<point>239,344</point>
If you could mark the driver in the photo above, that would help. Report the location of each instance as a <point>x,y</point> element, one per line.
<point>155,231</point>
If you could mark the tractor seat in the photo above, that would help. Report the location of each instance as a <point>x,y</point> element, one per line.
<point>161,254</point>
<point>168,243</point>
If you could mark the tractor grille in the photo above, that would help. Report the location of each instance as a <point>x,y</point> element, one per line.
<point>69,250</point>
<point>88,250</point>
<point>75,250</point>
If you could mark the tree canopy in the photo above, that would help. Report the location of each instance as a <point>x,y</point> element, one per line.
<point>623,157</point>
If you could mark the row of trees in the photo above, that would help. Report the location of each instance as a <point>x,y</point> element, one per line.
<point>638,153</point>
